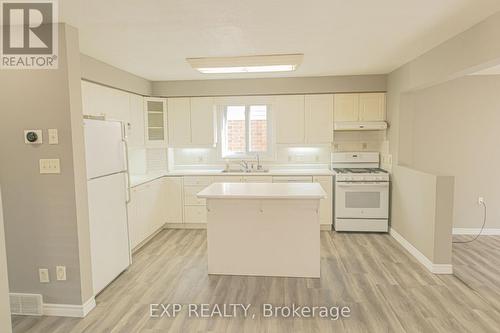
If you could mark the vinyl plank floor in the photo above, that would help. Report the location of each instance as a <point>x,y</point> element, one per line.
<point>385,288</point>
<point>477,264</point>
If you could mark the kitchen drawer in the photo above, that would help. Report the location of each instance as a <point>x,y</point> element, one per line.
<point>197,180</point>
<point>190,195</point>
<point>228,179</point>
<point>258,179</point>
<point>292,179</point>
<point>195,214</point>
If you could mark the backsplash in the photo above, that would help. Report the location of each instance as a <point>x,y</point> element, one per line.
<point>150,160</point>
<point>147,160</point>
<point>360,141</point>
<point>284,154</point>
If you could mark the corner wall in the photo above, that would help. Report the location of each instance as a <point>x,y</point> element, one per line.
<point>422,215</point>
<point>474,49</point>
<point>46,222</point>
<point>5,322</point>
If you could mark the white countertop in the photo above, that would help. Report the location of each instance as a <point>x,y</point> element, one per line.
<point>263,191</point>
<point>271,172</point>
<point>136,180</point>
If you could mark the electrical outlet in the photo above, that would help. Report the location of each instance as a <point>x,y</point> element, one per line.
<point>480,200</point>
<point>61,273</point>
<point>43,274</point>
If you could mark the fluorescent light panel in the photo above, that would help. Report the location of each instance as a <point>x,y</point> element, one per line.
<point>250,64</point>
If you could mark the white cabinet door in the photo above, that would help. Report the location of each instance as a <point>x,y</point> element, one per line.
<point>155,119</point>
<point>257,179</point>
<point>325,206</point>
<point>174,200</point>
<point>203,123</point>
<point>179,122</point>
<point>346,107</point>
<point>319,118</point>
<point>135,132</point>
<point>372,107</point>
<point>98,100</point>
<point>289,118</point>
<point>134,218</point>
<point>228,179</point>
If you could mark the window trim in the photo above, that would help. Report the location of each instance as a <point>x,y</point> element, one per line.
<point>247,153</point>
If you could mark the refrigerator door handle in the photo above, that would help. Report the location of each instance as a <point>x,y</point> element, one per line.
<point>125,146</point>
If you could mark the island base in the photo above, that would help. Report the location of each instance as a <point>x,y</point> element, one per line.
<point>275,237</point>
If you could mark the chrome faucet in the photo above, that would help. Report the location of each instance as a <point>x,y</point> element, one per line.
<point>259,167</point>
<point>244,164</point>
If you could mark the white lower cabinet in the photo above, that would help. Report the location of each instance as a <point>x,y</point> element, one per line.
<point>195,214</point>
<point>195,209</point>
<point>325,205</point>
<point>183,206</point>
<point>146,210</point>
<point>174,199</point>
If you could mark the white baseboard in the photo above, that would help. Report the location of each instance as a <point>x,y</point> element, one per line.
<point>325,227</point>
<point>68,310</point>
<point>421,258</point>
<point>475,231</point>
<point>185,226</point>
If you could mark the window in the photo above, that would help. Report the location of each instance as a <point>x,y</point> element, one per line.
<point>245,130</point>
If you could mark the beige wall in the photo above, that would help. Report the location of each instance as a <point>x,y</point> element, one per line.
<point>5,325</point>
<point>297,85</point>
<point>455,132</point>
<point>45,213</point>
<point>469,51</point>
<point>422,211</point>
<point>99,72</point>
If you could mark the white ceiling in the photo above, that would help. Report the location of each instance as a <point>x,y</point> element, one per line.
<point>152,38</point>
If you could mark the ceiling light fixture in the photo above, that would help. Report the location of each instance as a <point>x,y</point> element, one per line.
<point>247,64</point>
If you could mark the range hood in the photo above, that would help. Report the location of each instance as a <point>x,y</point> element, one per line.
<point>360,125</point>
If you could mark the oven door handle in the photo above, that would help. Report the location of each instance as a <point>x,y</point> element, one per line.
<point>358,184</point>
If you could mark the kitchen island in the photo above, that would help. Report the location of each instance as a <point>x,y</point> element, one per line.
<point>263,229</point>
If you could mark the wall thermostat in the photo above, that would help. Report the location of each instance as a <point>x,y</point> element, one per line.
<point>33,137</point>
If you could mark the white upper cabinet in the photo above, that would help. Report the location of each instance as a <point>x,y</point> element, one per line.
<point>359,107</point>
<point>372,107</point>
<point>346,107</point>
<point>304,119</point>
<point>179,119</point>
<point>319,118</point>
<point>135,127</point>
<point>203,121</point>
<point>289,118</point>
<point>155,120</point>
<point>98,100</point>
<point>191,122</point>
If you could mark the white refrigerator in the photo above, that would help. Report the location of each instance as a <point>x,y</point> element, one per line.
<point>107,178</point>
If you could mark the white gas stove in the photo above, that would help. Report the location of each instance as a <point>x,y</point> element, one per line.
<point>361,192</point>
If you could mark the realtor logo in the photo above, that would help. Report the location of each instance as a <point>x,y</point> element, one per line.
<point>29,37</point>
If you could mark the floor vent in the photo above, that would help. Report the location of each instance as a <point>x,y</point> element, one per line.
<point>26,304</point>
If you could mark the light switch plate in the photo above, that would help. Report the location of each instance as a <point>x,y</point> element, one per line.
<point>53,136</point>
<point>43,274</point>
<point>50,165</point>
